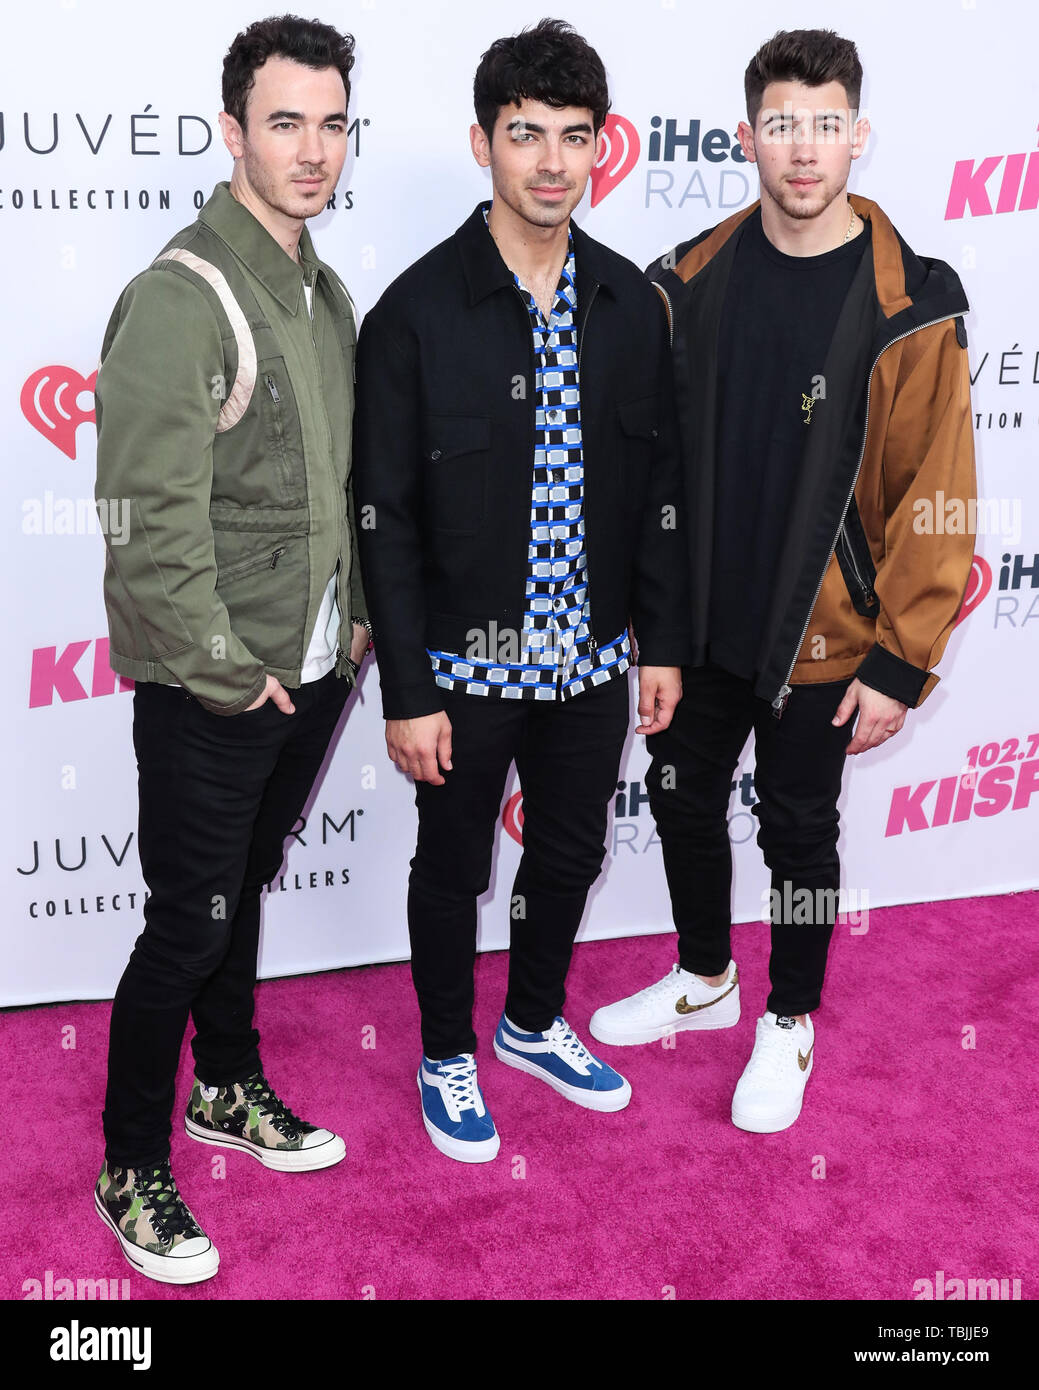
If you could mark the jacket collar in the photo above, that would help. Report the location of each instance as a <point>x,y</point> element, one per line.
<point>254,246</point>
<point>485,271</point>
<point>902,278</point>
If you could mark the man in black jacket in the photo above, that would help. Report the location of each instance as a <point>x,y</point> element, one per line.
<point>517,482</point>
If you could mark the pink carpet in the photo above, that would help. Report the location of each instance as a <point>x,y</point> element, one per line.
<point>928,1147</point>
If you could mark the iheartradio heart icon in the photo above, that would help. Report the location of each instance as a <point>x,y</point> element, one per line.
<point>978,585</point>
<point>512,817</point>
<point>49,402</point>
<point>620,152</point>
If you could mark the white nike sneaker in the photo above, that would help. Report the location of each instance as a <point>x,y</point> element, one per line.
<point>768,1095</point>
<point>679,1001</point>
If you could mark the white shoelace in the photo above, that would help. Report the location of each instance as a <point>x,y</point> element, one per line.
<point>563,1040</point>
<point>461,1083</point>
<point>773,1051</point>
<point>648,997</point>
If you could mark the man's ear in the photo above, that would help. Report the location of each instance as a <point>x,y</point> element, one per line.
<point>745,136</point>
<point>234,137</point>
<point>481,146</point>
<point>859,135</point>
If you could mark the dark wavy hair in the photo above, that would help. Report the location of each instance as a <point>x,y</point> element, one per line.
<point>550,63</point>
<point>811,56</point>
<point>305,41</point>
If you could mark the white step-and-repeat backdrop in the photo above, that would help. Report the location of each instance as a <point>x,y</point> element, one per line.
<point>109,143</point>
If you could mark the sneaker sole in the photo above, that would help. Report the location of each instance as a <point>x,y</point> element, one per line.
<point>462,1150</point>
<point>146,1263</point>
<point>604,1101</point>
<point>280,1160</point>
<point>632,1037</point>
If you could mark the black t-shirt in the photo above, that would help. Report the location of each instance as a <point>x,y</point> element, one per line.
<point>777,321</point>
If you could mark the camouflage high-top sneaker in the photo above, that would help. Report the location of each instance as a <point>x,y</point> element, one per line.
<point>247,1115</point>
<point>156,1231</point>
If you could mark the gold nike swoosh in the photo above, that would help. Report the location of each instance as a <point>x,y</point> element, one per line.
<point>682,1007</point>
<point>802,1060</point>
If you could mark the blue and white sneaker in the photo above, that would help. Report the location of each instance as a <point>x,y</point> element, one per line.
<point>559,1057</point>
<point>453,1111</point>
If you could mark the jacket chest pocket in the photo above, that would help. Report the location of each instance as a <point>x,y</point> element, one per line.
<point>282,432</point>
<point>456,454</point>
<point>639,429</point>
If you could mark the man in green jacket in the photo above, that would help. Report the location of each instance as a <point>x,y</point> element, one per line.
<point>224,410</point>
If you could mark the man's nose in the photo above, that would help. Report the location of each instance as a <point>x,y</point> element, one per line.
<point>551,161</point>
<point>310,149</point>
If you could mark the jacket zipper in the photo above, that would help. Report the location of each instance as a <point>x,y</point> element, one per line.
<point>245,567</point>
<point>779,703</point>
<point>344,616</point>
<point>867,592</point>
<point>670,312</point>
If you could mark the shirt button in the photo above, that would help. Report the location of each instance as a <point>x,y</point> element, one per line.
<point>557,603</point>
<point>435,454</point>
<point>553,414</point>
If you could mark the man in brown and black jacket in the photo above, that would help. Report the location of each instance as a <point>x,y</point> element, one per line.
<point>823,396</point>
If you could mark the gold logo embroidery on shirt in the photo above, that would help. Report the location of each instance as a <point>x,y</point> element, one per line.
<point>806,407</point>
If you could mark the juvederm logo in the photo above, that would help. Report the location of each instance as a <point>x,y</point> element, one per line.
<point>970,190</point>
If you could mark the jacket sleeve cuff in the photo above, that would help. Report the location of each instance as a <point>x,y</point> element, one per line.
<point>411,701</point>
<point>665,649</point>
<point>882,670</point>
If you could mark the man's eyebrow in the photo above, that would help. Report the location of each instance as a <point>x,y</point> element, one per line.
<point>299,116</point>
<point>818,115</point>
<point>520,124</point>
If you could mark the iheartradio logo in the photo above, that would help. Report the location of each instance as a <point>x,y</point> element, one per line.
<point>50,403</point>
<point>620,153</point>
<point>978,585</point>
<point>512,817</point>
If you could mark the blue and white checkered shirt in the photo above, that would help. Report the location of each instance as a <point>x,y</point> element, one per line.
<point>554,657</point>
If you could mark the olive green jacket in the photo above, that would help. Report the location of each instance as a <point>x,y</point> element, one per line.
<point>224,420</point>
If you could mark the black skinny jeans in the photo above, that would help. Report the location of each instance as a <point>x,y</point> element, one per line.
<point>799,764</point>
<point>567,755</point>
<point>218,795</point>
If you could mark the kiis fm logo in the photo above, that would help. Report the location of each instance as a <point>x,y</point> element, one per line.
<point>969,192</point>
<point>995,776</point>
<point>50,401</point>
<point>54,674</point>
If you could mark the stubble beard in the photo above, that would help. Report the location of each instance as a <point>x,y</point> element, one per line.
<point>264,186</point>
<point>804,207</point>
<point>524,205</point>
